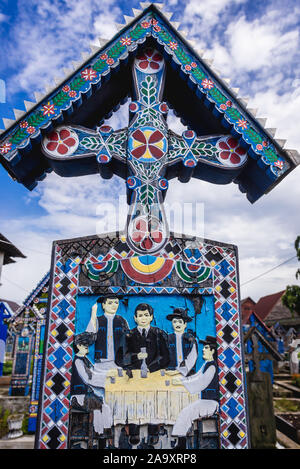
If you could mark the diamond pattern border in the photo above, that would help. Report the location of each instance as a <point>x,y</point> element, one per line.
<point>55,411</point>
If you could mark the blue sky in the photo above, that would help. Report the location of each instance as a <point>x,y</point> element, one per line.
<point>254,43</point>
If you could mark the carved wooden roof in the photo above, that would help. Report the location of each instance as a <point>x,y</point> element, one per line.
<point>198,95</point>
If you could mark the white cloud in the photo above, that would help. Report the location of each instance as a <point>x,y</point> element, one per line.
<point>257,44</point>
<point>283,111</point>
<point>209,13</point>
<point>58,35</point>
<point>72,208</point>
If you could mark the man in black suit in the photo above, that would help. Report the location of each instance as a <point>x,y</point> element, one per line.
<point>109,329</point>
<point>145,345</point>
<point>182,344</point>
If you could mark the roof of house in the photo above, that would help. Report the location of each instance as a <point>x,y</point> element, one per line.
<point>193,89</point>
<point>265,304</point>
<point>247,312</point>
<point>248,299</point>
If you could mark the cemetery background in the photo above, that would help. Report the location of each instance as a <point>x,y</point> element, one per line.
<point>219,223</point>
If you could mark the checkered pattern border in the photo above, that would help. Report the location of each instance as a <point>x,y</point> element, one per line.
<point>57,376</point>
<point>233,419</point>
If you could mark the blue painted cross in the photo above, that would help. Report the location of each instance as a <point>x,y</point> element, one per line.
<point>146,149</point>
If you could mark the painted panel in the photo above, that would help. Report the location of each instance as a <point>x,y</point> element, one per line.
<point>19,385</point>
<point>104,382</point>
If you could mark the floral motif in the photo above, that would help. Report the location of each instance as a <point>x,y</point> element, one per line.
<point>61,141</point>
<point>88,74</point>
<point>163,108</point>
<point>110,61</point>
<point>279,164</point>
<point>188,67</point>
<point>145,24</point>
<point>149,61</point>
<point>126,41</point>
<point>231,153</point>
<point>103,56</point>
<point>48,109</point>
<point>72,94</point>
<point>5,148</point>
<point>242,123</point>
<point>207,84</point>
<point>147,232</point>
<point>226,105</point>
<point>173,45</point>
<point>66,88</point>
<point>155,25</point>
<point>148,144</point>
<point>23,124</point>
<point>30,129</point>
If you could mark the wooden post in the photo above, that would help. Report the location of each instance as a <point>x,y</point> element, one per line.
<point>260,403</point>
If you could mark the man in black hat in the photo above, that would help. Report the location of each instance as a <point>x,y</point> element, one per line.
<point>110,329</point>
<point>182,345</point>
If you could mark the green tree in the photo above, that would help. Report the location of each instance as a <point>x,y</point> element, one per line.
<point>291,298</point>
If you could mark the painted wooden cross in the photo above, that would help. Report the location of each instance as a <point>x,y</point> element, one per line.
<point>148,149</point>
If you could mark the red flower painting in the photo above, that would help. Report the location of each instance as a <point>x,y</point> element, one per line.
<point>60,141</point>
<point>173,45</point>
<point>5,148</point>
<point>242,123</point>
<point>147,233</point>
<point>48,109</point>
<point>88,74</point>
<point>148,144</point>
<point>149,61</point>
<point>126,41</point>
<point>207,84</point>
<point>231,152</point>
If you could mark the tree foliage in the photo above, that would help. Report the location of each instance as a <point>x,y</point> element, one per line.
<point>291,298</point>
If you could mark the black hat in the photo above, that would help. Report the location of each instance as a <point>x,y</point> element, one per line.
<point>209,340</point>
<point>85,338</point>
<point>103,297</point>
<point>181,314</point>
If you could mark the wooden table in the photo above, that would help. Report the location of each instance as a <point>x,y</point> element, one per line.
<point>146,400</point>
